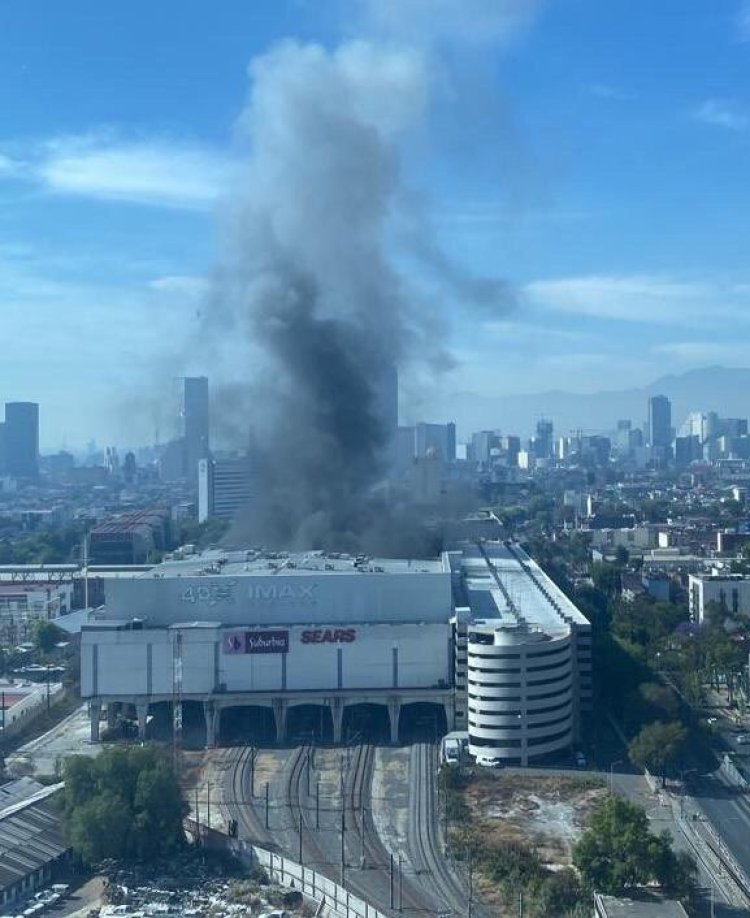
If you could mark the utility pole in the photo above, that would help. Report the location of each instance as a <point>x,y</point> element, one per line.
<point>177,698</point>
<point>362,839</point>
<point>266,804</point>
<point>208,805</point>
<point>390,877</point>
<point>300,838</point>
<point>253,755</point>
<point>343,845</point>
<point>400,884</point>
<point>197,817</point>
<point>317,804</point>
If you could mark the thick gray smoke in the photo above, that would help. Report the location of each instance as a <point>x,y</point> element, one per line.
<point>308,293</point>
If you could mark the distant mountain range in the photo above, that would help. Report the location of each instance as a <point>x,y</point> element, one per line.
<point>720,389</point>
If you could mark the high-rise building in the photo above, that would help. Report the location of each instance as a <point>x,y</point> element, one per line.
<point>21,439</point>
<point>483,442</point>
<point>226,486</point>
<point>196,424</point>
<point>438,439</point>
<point>544,441</point>
<point>659,421</point>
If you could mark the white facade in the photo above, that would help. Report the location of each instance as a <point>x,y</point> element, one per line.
<point>732,591</point>
<point>528,656</point>
<point>634,537</point>
<point>121,662</point>
<point>521,692</point>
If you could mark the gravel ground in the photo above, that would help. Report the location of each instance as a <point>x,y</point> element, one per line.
<point>40,756</point>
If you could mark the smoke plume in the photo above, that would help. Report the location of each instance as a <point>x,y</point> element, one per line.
<point>308,294</point>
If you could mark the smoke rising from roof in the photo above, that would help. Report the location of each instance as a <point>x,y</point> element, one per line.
<point>308,290</point>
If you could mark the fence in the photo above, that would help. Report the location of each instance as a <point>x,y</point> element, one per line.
<point>335,901</point>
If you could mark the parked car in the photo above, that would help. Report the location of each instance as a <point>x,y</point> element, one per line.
<point>489,761</point>
<point>743,738</point>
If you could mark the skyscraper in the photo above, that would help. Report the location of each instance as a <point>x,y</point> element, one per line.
<point>544,440</point>
<point>659,421</point>
<point>21,439</point>
<point>196,423</point>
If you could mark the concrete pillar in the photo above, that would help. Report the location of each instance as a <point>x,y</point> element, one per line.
<point>337,716</point>
<point>112,712</point>
<point>450,713</point>
<point>211,714</point>
<point>141,711</point>
<point>279,715</point>
<point>394,713</point>
<point>95,713</point>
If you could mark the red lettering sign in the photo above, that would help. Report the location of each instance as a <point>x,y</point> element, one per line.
<point>329,636</point>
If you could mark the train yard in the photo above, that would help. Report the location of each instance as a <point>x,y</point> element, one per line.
<point>316,806</point>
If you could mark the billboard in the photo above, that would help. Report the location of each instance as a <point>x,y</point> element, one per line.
<point>256,641</point>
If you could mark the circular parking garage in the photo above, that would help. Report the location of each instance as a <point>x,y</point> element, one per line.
<point>520,692</point>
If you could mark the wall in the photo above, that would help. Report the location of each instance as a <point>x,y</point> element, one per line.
<point>279,599</point>
<point>120,662</point>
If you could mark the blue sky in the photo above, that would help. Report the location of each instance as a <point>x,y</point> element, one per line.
<point>594,154</point>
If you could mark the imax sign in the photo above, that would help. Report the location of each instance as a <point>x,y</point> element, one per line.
<point>282,592</point>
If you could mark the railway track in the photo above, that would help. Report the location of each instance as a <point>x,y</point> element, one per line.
<point>238,800</point>
<point>433,869</point>
<point>342,842</point>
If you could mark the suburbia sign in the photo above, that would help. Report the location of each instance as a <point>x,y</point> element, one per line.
<point>329,636</point>
<point>256,642</point>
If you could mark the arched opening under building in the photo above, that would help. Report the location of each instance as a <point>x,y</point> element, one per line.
<point>160,721</point>
<point>306,723</point>
<point>422,722</point>
<point>193,725</point>
<point>366,723</point>
<point>246,725</point>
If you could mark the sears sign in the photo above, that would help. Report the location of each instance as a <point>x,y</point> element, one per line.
<point>256,642</point>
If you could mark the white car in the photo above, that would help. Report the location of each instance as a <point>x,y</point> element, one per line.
<point>743,739</point>
<point>490,761</point>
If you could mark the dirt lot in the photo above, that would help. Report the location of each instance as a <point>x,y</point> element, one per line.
<point>547,812</point>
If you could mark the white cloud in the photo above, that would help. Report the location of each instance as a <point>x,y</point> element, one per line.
<point>9,167</point>
<point>181,284</point>
<point>157,172</point>
<point>723,113</point>
<point>653,299</point>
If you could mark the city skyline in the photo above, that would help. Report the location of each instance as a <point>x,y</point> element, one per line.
<point>600,193</point>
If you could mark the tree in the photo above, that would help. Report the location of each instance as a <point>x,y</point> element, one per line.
<point>126,805</point>
<point>618,850</point>
<point>46,636</point>
<point>661,697</point>
<point>607,578</point>
<point>656,745</point>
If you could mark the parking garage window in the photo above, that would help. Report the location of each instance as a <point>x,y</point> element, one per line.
<point>562,677</point>
<point>498,743</point>
<point>543,740</point>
